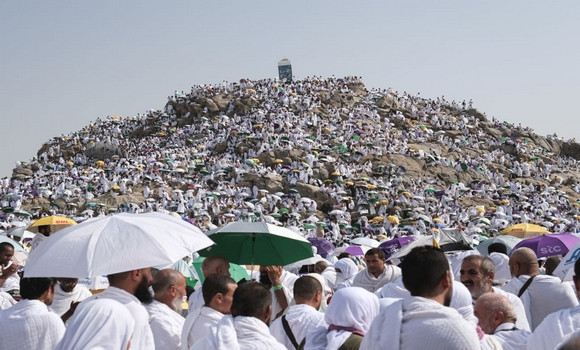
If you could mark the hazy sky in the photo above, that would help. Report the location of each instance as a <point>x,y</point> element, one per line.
<point>66,63</point>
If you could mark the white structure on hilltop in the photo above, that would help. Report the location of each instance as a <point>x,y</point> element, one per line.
<point>285,69</point>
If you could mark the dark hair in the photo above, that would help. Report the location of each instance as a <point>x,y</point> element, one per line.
<point>251,299</point>
<point>343,255</point>
<point>423,268</point>
<point>376,251</point>
<point>306,287</point>
<point>5,245</point>
<point>497,247</point>
<point>215,284</point>
<point>33,288</point>
<point>577,268</point>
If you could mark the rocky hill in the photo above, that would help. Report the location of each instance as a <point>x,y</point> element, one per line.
<point>295,152</point>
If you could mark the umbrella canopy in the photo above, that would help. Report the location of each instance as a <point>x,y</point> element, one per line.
<point>391,246</point>
<point>393,219</point>
<point>258,243</point>
<point>509,241</point>
<point>550,245</point>
<point>56,223</point>
<point>17,246</point>
<point>323,246</point>
<point>369,242</point>
<point>113,244</point>
<point>421,241</point>
<point>356,250</point>
<point>565,269</point>
<point>525,230</point>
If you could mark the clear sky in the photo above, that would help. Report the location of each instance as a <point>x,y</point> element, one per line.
<point>66,63</point>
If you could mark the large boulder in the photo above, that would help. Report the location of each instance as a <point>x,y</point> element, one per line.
<point>222,101</point>
<point>570,149</point>
<point>22,171</point>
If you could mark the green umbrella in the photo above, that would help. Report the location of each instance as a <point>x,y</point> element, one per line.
<point>308,226</point>
<point>237,272</point>
<point>258,243</point>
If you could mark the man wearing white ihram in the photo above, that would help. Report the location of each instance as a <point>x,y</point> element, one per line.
<point>540,294</point>
<point>422,320</point>
<point>165,311</point>
<point>377,274</point>
<point>555,328</point>
<point>292,328</point>
<point>131,288</point>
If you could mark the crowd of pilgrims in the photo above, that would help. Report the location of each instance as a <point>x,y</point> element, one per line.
<point>200,172</point>
<point>338,305</point>
<point>200,169</point>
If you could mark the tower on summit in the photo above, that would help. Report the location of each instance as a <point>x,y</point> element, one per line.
<point>285,69</point>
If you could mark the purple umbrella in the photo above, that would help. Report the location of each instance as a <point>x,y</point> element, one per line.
<point>323,246</point>
<point>391,246</point>
<point>356,250</point>
<point>549,245</point>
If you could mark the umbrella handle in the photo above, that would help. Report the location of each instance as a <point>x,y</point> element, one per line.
<point>253,242</point>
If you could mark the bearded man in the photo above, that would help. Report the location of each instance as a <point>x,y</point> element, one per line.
<point>165,311</point>
<point>477,274</point>
<point>131,288</point>
<point>422,320</point>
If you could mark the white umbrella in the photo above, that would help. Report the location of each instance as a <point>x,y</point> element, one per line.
<point>565,270</point>
<point>369,242</point>
<point>113,244</point>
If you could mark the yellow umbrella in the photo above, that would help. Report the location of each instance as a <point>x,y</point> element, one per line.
<point>504,201</point>
<point>336,173</point>
<point>438,220</point>
<point>100,163</point>
<point>525,230</point>
<point>115,187</point>
<point>406,194</point>
<point>256,160</point>
<point>349,183</point>
<point>56,223</point>
<point>377,219</point>
<point>278,161</point>
<point>70,163</point>
<point>480,209</point>
<point>384,202</point>
<point>393,219</point>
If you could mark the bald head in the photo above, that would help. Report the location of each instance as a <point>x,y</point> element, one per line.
<point>215,265</point>
<point>523,261</point>
<point>165,279</point>
<point>169,287</point>
<point>320,266</point>
<point>493,309</point>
